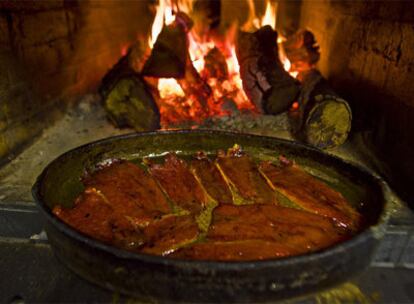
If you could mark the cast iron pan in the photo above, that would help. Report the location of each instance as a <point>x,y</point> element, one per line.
<point>156,278</point>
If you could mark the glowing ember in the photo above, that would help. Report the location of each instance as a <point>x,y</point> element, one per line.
<point>124,50</point>
<point>295,106</point>
<point>198,51</point>
<point>226,95</point>
<point>169,87</point>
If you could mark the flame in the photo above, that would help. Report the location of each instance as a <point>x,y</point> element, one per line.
<point>235,82</point>
<point>158,23</point>
<point>175,106</point>
<point>169,87</point>
<point>269,18</point>
<point>198,51</point>
<point>252,22</point>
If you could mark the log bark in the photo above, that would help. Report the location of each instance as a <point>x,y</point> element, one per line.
<point>169,54</point>
<point>302,50</point>
<point>129,64</point>
<point>170,59</point>
<point>130,104</point>
<point>265,81</point>
<point>323,118</point>
<point>215,65</point>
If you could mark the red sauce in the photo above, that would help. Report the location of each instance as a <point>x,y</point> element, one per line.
<point>163,209</point>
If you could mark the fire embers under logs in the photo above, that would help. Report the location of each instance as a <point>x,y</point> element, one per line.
<point>193,71</point>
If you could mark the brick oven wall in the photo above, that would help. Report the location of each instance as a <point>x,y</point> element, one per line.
<point>56,50</point>
<point>367,53</point>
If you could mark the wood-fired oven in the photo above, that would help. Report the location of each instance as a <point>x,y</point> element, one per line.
<point>335,75</point>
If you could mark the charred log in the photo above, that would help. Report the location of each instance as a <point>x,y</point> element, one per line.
<point>302,50</point>
<point>192,84</point>
<point>169,55</point>
<point>323,118</point>
<point>129,104</point>
<point>215,65</point>
<point>129,64</point>
<point>195,87</point>
<point>125,94</point>
<point>170,59</point>
<point>265,81</point>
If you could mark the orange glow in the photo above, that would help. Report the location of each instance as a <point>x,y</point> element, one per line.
<point>269,18</point>
<point>169,87</point>
<point>175,105</point>
<point>295,106</point>
<point>252,22</point>
<point>124,50</point>
<point>198,51</point>
<point>157,24</point>
<point>235,82</point>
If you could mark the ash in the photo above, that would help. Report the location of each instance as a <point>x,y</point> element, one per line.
<point>266,125</point>
<point>80,124</point>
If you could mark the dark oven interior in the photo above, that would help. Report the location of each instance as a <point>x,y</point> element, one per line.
<point>65,66</point>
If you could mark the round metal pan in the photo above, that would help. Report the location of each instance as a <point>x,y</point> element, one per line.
<point>163,279</point>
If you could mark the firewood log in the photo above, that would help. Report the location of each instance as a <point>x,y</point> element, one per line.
<point>265,81</point>
<point>125,94</point>
<point>302,50</point>
<point>170,59</point>
<point>215,65</point>
<point>323,118</point>
<point>129,104</point>
<point>192,84</point>
<point>129,64</point>
<point>169,55</point>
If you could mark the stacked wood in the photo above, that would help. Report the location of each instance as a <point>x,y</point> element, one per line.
<point>265,81</point>
<point>323,119</point>
<point>302,50</point>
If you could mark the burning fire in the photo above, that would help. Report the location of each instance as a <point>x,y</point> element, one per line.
<point>175,106</point>
<point>269,17</point>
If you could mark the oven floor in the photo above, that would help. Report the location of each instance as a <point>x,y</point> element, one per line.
<point>31,273</point>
